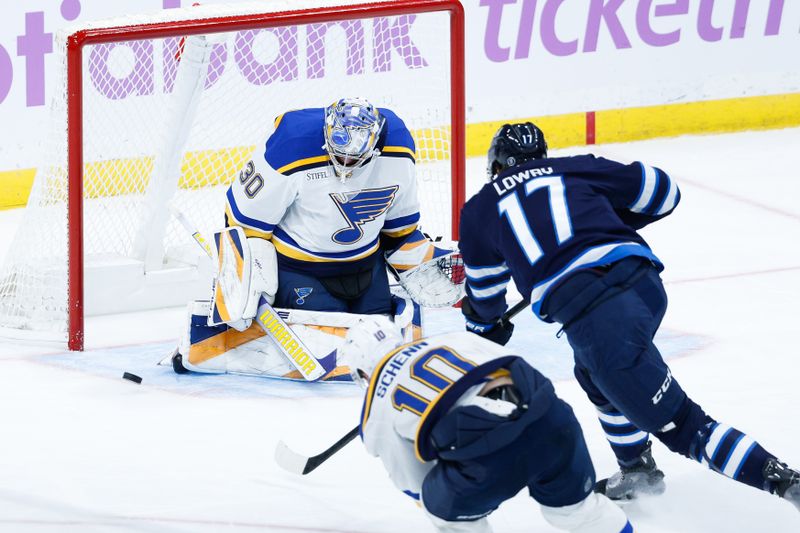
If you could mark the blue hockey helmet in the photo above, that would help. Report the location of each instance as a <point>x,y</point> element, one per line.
<point>514,144</point>
<point>352,128</point>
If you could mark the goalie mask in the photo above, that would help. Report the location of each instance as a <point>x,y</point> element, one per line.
<point>352,128</point>
<point>366,343</point>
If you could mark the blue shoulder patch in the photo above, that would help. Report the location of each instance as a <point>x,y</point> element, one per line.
<point>297,143</point>
<point>396,140</point>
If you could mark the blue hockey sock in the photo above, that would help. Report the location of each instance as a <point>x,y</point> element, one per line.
<point>627,441</point>
<point>732,453</point>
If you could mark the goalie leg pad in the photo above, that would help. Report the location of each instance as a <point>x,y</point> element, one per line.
<point>221,349</point>
<point>216,349</point>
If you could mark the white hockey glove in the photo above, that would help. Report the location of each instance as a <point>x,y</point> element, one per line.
<point>246,270</point>
<point>432,276</point>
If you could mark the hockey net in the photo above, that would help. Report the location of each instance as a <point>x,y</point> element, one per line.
<point>154,112</point>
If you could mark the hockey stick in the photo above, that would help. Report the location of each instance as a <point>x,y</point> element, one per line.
<point>301,358</point>
<point>193,231</point>
<point>300,464</point>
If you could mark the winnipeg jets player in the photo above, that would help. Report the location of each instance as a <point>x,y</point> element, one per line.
<point>333,190</point>
<point>462,425</point>
<point>565,229</point>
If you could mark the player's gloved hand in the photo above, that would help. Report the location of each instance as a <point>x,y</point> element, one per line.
<point>499,331</point>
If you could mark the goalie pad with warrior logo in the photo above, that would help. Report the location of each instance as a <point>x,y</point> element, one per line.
<point>220,349</point>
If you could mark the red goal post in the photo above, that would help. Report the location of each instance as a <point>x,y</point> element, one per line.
<point>76,164</point>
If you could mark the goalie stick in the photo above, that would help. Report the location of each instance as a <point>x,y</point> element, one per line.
<point>300,464</point>
<point>273,324</point>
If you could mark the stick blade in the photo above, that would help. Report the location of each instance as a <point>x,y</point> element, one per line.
<point>289,460</point>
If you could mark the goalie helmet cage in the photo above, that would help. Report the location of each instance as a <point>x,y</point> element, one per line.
<point>135,139</point>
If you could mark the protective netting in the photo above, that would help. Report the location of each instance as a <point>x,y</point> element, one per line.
<point>170,122</point>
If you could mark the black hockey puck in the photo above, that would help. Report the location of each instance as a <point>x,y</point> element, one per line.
<point>131,377</point>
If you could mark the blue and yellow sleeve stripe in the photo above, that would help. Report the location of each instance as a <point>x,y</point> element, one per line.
<point>399,151</point>
<point>251,226</point>
<point>304,164</point>
<point>402,226</point>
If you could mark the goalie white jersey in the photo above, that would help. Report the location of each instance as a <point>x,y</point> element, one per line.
<point>412,387</point>
<point>319,225</point>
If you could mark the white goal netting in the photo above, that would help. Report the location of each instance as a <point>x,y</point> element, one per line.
<point>170,121</point>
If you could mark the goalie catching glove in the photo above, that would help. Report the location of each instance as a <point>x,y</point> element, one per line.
<point>247,268</point>
<point>432,276</point>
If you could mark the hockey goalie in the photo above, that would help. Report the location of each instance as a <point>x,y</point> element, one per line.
<point>313,221</point>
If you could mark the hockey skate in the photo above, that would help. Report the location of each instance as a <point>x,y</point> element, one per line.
<point>785,481</point>
<point>643,477</point>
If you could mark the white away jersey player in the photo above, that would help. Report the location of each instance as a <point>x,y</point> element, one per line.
<point>318,224</point>
<point>412,387</point>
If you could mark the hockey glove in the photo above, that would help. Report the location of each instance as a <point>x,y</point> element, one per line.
<point>499,331</point>
<point>432,276</point>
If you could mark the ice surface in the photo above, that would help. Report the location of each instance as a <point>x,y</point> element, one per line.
<point>83,450</point>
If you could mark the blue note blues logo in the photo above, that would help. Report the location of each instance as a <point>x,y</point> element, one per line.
<point>302,293</point>
<point>360,207</point>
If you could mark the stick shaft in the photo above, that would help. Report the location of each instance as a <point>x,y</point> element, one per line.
<point>193,231</point>
<point>515,309</point>
<point>313,462</point>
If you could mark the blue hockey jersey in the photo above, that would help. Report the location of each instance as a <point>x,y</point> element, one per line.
<point>540,221</point>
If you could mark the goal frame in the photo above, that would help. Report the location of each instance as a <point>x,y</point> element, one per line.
<point>75,135</point>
